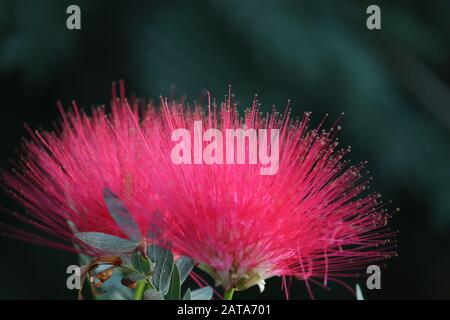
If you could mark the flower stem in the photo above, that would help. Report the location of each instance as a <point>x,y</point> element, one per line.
<point>140,289</point>
<point>229,294</point>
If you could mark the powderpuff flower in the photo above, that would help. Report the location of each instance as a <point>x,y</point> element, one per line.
<point>311,220</point>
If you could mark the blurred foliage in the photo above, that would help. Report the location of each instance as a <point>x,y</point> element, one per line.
<point>392,84</point>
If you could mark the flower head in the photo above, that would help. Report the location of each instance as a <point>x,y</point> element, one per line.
<point>311,220</point>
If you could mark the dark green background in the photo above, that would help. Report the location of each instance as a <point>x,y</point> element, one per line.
<point>392,84</point>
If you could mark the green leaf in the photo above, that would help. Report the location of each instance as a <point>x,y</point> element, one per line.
<point>185,266</point>
<point>359,295</point>
<point>152,294</point>
<point>154,251</point>
<point>121,215</point>
<point>204,293</point>
<point>174,291</point>
<point>154,229</point>
<point>106,242</point>
<point>163,269</point>
<point>140,263</point>
<point>187,295</point>
<point>126,260</point>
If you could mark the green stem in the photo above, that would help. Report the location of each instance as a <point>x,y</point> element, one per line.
<point>140,289</point>
<point>229,294</point>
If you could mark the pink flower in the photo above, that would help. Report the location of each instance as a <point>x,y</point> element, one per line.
<point>311,220</point>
